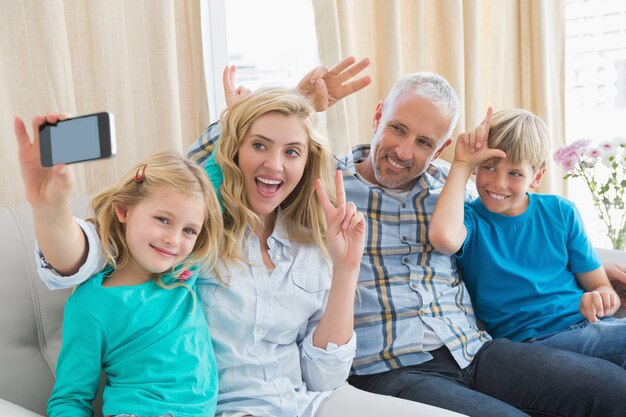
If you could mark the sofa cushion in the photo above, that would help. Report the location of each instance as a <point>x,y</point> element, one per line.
<point>31,317</point>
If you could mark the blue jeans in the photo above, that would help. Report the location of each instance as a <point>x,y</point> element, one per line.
<point>509,379</point>
<point>604,339</point>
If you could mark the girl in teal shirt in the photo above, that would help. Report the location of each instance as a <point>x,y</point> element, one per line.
<point>139,318</point>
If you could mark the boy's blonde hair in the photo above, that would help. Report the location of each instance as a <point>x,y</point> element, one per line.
<point>164,170</point>
<point>302,210</point>
<point>522,135</point>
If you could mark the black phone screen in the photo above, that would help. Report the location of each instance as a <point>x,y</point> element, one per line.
<point>78,139</point>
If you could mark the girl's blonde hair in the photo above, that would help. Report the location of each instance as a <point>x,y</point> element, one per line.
<point>522,135</point>
<point>301,209</point>
<point>161,171</point>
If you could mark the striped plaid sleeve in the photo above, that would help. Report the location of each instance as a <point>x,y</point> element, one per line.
<point>202,148</point>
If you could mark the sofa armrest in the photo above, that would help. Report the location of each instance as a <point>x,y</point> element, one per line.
<point>8,409</point>
<point>32,315</point>
<point>612,255</point>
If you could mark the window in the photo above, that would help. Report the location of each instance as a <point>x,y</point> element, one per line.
<point>620,97</point>
<point>595,86</point>
<point>271,42</point>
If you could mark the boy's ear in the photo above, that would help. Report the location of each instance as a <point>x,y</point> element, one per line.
<point>121,212</point>
<point>537,179</point>
<point>378,113</point>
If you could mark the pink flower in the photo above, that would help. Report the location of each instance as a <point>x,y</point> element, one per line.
<point>606,181</point>
<point>568,166</point>
<point>184,276</point>
<point>580,143</point>
<point>568,155</point>
<point>607,146</point>
<point>592,153</point>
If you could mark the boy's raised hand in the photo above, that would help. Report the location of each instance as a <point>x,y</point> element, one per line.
<point>345,235</point>
<point>45,187</point>
<point>471,147</point>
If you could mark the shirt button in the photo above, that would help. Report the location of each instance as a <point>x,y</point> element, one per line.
<point>288,396</point>
<point>259,331</point>
<point>264,296</point>
<point>405,260</point>
<point>404,238</point>
<point>278,258</point>
<point>403,205</point>
<point>414,286</point>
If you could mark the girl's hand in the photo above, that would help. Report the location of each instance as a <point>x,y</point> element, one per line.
<point>345,236</point>
<point>44,186</point>
<point>232,94</point>
<point>471,147</point>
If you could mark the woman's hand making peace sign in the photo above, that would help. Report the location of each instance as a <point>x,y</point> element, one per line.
<point>345,239</point>
<point>345,236</point>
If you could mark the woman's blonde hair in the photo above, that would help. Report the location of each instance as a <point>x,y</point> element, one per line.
<point>303,212</point>
<point>161,171</point>
<point>522,135</point>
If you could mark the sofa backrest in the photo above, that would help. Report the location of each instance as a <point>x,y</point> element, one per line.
<point>31,315</point>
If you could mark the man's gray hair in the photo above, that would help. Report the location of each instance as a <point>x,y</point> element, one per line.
<point>433,88</point>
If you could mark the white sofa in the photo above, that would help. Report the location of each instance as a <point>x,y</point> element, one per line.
<point>31,317</point>
<point>30,320</point>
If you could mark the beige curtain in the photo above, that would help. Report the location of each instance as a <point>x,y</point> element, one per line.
<point>503,53</point>
<point>140,59</point>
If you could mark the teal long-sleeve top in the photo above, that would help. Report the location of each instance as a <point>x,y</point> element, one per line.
<point>153,344</point>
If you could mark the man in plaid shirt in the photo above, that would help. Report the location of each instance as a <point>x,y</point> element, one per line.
<point>417,335</point>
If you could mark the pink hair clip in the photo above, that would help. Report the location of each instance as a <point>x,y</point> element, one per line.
<point>140,175</point>
<point>184,276</point>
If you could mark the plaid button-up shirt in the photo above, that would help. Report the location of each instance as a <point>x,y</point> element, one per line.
<point>404,282</point>
<point>202,149</point>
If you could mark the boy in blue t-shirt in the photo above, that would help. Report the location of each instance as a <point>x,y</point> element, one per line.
<point>529,267</point>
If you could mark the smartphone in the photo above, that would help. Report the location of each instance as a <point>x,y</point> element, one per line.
<point>78,139</point>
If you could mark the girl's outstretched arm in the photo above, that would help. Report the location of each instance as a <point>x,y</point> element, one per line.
<point>49,190</point>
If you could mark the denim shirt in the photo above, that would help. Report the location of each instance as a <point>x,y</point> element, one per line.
<point>404,282</point>
<point>262,326</point>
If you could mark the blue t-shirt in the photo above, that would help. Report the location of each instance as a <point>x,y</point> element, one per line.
<point>153,343</point>
<point>519,270</point>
